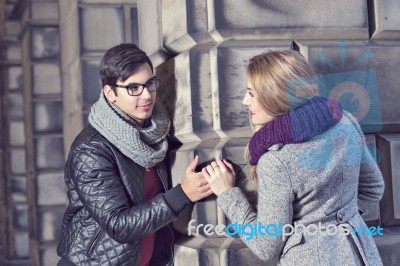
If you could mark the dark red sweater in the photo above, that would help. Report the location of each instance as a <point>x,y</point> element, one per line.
<point>153,187</point>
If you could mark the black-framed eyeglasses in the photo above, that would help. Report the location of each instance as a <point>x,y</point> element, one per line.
<point>136,89</point>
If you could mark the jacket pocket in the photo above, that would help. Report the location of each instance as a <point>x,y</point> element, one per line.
<point>293,241</point>
<point>93,242</point>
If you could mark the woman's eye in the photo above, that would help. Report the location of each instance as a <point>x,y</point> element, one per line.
<point>250,93</point>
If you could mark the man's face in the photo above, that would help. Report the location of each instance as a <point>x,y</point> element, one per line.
<point>138,107</point>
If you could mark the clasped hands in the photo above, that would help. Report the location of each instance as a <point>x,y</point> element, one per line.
<point>214,178</point>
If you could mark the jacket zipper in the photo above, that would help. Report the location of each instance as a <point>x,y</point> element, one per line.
<point>91,245</point>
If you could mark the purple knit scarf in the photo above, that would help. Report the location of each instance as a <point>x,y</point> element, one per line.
<point>298,125</point>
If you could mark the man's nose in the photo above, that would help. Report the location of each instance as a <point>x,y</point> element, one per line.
<point>146,93</point>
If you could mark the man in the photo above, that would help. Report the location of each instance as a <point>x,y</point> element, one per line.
<point>120,204</point>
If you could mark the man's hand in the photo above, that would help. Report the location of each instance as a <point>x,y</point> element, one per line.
<point>194,185</point>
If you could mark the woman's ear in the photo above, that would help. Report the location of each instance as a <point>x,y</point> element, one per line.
<point>109,93</point>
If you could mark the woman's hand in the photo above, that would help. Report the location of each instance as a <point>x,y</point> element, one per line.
<point>220,176</point>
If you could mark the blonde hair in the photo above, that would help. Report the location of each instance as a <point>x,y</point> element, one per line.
<point>281,81</point>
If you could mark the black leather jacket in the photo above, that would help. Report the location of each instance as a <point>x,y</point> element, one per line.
<point>107,216</point>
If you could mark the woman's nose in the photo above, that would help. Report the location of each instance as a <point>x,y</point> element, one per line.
<point>245,100</point>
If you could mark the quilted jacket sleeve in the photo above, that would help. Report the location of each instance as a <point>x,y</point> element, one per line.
<point>101,191</point>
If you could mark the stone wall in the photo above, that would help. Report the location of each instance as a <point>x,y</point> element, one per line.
<point>354,47</point>
<point>50,51</point>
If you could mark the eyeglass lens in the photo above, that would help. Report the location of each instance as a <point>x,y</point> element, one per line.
<point>137,89</point>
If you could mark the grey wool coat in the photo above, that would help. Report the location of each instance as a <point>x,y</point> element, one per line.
<point>329,180</point>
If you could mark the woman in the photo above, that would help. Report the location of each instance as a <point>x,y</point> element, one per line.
<point>315,169</point>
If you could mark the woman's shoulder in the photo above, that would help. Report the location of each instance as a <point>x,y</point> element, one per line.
<point>347,128</point>
<point>273,158</point>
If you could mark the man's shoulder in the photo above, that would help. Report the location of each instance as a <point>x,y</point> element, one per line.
<point>89,136</point>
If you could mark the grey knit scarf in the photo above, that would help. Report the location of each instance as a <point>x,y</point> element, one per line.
<point>146,146</point>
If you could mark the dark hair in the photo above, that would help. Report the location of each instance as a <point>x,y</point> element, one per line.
<point>119,62</point>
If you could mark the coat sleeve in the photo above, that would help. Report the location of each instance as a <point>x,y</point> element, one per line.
<point>274,208</point>
<point>101,191</point>
<point>371,185</point>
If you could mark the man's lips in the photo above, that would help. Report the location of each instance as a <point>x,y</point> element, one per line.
<point>145,106</point>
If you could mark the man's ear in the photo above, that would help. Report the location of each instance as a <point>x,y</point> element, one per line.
<point>109,93</point>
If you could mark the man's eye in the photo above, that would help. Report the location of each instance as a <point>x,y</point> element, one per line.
<point>150,83</point>
<point>133,87</point>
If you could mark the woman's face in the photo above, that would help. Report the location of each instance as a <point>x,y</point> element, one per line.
<point>258,116</point>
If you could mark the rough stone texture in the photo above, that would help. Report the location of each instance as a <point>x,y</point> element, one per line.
<point>232,58</point>
<point>361,74</point>
<point>20,217</point>
<point>18,161</point>
<point>71,71</point>
<point>19,189</point>
<point>51,189</point>
<point>49,152</point>
<point>21,244</point>
<point>16,133</point>
<point>48,222</point>
<point>387,22</point>
<point>214,251</point>
<point>48,116</point>
<point>48,256</point>
<point>14,78</point>
<point>150,17</point>
<point>389,145</point>
<point>46,79</point>
<point>45,43</point>
<point>97,33</point>
<point>189,23</point>
<point>388,246</point>
<point>185,24</point>
<point>291,20</point>
<point>200,49</point>
<point>15,105</point>
<point>36,111</point>
<point>368,73</point>
<point>44,10</point>
<point>91,87</point>
<point>12,28</point>
<point>13,54</point>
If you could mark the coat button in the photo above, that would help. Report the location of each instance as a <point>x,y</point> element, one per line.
<point>340,216</point>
